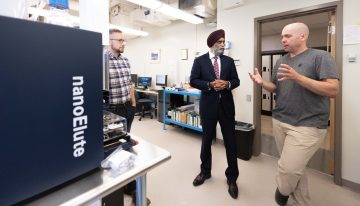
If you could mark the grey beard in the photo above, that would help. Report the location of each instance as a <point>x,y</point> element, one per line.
<point>218,52</point>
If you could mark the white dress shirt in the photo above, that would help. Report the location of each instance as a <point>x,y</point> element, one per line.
<point>211,56</point>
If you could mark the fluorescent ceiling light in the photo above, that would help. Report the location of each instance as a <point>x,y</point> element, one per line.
<point>127,30</point>
<point>168,10</point>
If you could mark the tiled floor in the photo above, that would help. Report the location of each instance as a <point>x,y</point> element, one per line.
<point>170,184</point>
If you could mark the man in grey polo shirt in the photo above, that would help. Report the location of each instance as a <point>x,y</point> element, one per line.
<point>304,80</point>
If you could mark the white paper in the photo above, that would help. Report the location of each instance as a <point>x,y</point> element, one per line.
<point>184,54</point>
<point>119,161</point>
<point>352,34</point>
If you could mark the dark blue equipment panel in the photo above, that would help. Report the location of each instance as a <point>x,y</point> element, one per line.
<point>51,106</point>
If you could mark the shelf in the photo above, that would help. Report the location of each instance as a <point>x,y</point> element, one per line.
<point>167,120</point>
<point>185,93</point>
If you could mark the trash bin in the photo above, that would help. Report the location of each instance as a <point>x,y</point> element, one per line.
<point>244,135</point>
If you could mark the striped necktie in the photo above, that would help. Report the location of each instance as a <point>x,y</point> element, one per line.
<point>216,68</point>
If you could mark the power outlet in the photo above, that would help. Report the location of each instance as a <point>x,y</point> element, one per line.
<point>248,98</point>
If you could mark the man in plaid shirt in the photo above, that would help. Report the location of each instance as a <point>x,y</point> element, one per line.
<point>121,93</point>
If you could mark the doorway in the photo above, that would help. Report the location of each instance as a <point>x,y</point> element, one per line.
<point>322,20</point>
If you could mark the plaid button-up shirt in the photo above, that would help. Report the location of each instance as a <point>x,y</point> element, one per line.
<point>119,79</point>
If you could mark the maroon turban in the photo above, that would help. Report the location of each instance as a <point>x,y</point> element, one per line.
<point>215,36</point>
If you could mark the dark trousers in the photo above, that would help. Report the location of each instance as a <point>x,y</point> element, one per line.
<point>125,110</point>
<point>128,112</point>
<point>227,125</point>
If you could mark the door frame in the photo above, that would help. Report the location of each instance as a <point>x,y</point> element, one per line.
<point>336,6</point>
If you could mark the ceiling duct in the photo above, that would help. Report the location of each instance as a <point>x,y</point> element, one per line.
<point>202,8</point>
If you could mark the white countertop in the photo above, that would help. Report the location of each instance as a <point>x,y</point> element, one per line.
<point>101,183</point>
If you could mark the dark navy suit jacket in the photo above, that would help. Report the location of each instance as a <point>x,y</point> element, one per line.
<point>202,74</point>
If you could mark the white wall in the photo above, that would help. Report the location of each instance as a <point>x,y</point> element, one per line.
<point>170,40</point>
<point>14,8</point>
<point>351,99</point>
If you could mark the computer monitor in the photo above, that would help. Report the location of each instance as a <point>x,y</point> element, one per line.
<point>144,82</point>
<point>161,80</point>
<point>134,79</point>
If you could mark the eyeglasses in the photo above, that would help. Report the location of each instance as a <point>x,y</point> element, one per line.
<point>119,40</point>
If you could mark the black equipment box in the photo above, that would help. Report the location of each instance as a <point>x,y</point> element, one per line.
<point>51,122</point>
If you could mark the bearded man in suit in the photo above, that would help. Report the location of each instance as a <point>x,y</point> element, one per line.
<point>215,75</point>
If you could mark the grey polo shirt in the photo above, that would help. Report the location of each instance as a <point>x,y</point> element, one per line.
<point>296,105</point>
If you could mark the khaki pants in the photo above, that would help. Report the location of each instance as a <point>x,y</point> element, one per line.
<point>296,146</point>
